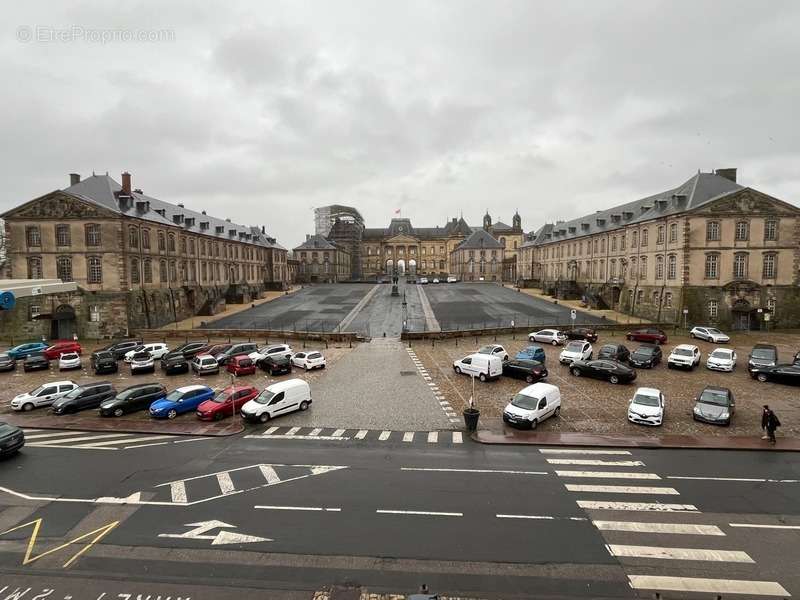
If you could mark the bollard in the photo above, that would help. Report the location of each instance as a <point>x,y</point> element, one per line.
<point>433,343</point>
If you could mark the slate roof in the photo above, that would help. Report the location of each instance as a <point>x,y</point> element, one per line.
<point>480,240</point>
<point>453,227</point>
<point>105,191</point>
<point>317,242</point>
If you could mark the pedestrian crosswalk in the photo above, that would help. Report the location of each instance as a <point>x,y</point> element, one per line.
<point>93,440</point>
<point>359,435</point>
<point>643,543</point>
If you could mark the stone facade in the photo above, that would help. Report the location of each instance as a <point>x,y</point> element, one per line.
<point>322,261</point>
<point>478,258</point>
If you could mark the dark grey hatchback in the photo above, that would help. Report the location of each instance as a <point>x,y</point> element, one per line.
<point>7,362</point>
<point>11,439</point>
<point>714,405</point>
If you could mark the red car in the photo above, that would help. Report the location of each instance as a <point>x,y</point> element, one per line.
<point>222,405</point>
<point>651,335</point>
<point>58,348</point>
<point>241,365</point>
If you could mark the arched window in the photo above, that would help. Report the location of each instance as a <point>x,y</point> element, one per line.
<point>672,266</point>
<point>659,268</point>
<point>146,239</point>
<point>668,299</point>
<point>64,268</point>
<point>712,266</point>
<point>148,271</point>
<point>172,273</point>
<point>613,268</point>
<point>742,231</point>
<point>35,267</point>
<point>740,265</point>
<point>133,237</point>
<point>643,267</point>
<point>134,270</point>
<point>503,241</point>
<point>634,237</point>
<point>656,296</point>
<point>94,269</point>
<point>162,244</point>
<point>613,243</point>
<point>162,271</point>
<point>63,237</point>
<point>660,235</point>
<point>644,236</point>
<point>673,232</point>
<point>603,245</point>
<point>171,245</point>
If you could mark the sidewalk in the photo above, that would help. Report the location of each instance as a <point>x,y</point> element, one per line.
<point>192,426</point>
<point>499,433</point>
<point>612,315</point>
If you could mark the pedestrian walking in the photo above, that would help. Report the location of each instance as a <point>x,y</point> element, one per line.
<point>772,424</point>
<point>764,416</point>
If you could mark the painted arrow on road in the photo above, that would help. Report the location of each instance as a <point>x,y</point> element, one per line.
<point>222,537</point>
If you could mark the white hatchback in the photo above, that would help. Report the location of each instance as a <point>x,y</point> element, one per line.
<point>533,404</point>
<point>646,407</point>
<point>156,350</point>
<point>548,336</point>
<point>721,359</point>
<point>69,360</point>
<point>575,350</point>
<point>308,360</point>
<point>494,350</point>
<point>44,395</point>
<point>684,356</point>
<point>709,334</point>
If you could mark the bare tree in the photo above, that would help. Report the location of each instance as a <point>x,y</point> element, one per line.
<point>3,246</point>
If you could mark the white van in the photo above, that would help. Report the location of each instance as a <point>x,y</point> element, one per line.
<point>532,405</point>
<point>482,366</point>
<point>278,399</point>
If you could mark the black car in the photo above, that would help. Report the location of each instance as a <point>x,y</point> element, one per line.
<point>645,356</point>
<point>762,355</point>
<point>86,396</point>
<point>120,347</point>
<point>132,399</point>
<point>11,439</point>
<point>616,352</point>
<point>235,350</point>
<point>611,370</point>
<point>35,362</point>
<point>779,373</point>
<point>714,405</point>
<point>529,370</point>
<point>797,358</point>
<point>275,365</point>
<point>581,333</point>
<point>103,361</point>
<point>7,362</point>
<point>189,349</point>
<point>174,363</point>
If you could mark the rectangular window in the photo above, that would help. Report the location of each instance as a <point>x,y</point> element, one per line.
<point>740,266</point>
<point>713,309</point>
<point>133,237</point>
<point>672,266</point>
<point>645,235</point>
<point>93,238</point>
<point>673,232</point>
<point>94,270</point>
<point>668,299</point>
<point>769,269</point>
<point>34,311</point>
<point>33,236</point>
<point>742,231</point>
<point>94,313</point>
<point>712,266</point>
<point>146,239</point>
<point>63,237</point>
<point>712,231</point>
<point>660,235</point>
<point>770,230</point>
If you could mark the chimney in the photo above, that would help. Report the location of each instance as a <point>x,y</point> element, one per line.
<point>126,183</point>
<point>181,205</point>
<point>727,174</point>
<point>74,178</point>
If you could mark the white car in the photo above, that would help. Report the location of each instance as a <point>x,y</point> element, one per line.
<point>273,350</point>
<point>69,360</point>
<point>156,350</point>
<point>44,395</point>
<point>308,360</point>
<point>684,356</point>
<point>435,280</point>
<point>709,334</point>
<point>278,399</point>
<point>494,350</point>
<point>646,407</point>
<point>533,404</point>
<point>575,350</point>
<point>142,361</point>
<point>452,280</point>
<point>482,366</point>
<point>548,336</point>
<point>721,359</point>
<point>423,280</point>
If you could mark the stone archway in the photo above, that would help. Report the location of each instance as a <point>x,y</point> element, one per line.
<point>401,267</point>
<point>412,267</point>
<point>389,266</point>
<point>62,326</point>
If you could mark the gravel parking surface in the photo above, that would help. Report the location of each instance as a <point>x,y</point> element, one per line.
<point>595,406</point>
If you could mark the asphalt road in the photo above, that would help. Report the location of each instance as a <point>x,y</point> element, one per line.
<point>468,520</point>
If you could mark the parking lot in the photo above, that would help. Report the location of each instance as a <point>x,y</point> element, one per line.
<point>590,405</point>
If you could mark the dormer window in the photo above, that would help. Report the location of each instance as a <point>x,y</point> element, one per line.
<point>601,222</point>
<point>572,229</point>
<point>627,215</point>
<point>177,218</point>
<point>219,229</point>
<point>585,226</point>
<point>616,218</point>
<point>204,225</point>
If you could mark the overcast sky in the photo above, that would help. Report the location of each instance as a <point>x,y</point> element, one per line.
<point>262,111</point>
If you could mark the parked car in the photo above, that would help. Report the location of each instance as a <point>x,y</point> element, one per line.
<point>762,355</point>
<point>278,399</point>
<point>22,351</point>
<point>226,402</point>
<point>452,279</point>
<point>647,334</point>
<point>120,347</point>
<point>241,365</point>
<point>423,280</point>
<point>581,333</point>
<point>90,395</point>
<point>529,370</point>
<point>103,362</point>
<point>68,361</point>
<point>133,399</point>
<point>482,366</point>
<point>532,353</point>
<point>548,336</point>
<point>532,405</point>
<point>494,350</point>
<point>435,280</point>
<point>309,360</point>
<point>789,374</point>
<point>610,370</point>
<point>272,350</point>
<point>44,395</point>
<point>721,359</point>
<point>618,352</point>
<point>174,363</point>
<point>714,405</point>
<point>797,358</point>
<point>142,362</point>
<point>646,407</point>
<point>12,439</point>
<point>156,350</point>
<point>54,351</point>
<point>709,334</point>
<point>204,364</point>
<point>575,350</point>
<point>179,401</point>
<point>7,362</point>
<point>35,362</point>
<point>235,350</point>
<point>684,356</point>
<point>189,349</point>
<point>275,365</point>
<point>645,356</point>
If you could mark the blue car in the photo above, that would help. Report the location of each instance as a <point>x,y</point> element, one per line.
<point>531,353</point>
<point>24,350</point>
<point>184,399</point>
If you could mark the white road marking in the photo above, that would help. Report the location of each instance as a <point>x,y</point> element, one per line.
<point>676,528</point>
<point>202,439</point>
<point>178,491</point>
<point>575,451</point>
<point>49,435</point>
<point>292,431</point>
<point>457,437</point>
<point>622,489</point>
<point>308,508</point>
<point>384,435</point>
<point>444,470</point>
<point>316,431</point>
<point>408,436</point>
<point>84,438</point>
<point>269,474</point>
<point>362,433</point>
<point>607,475</point>
<point>339,433</point>
<point>124,447</point>
<point>636,506</point>
<point>742,479</point>
<point>27,431</point>
<point>433,437</point>
<point>225,483</point>
<point>679,553</point>
<point>297,437</point>
<point>77,446</point>
<point>419,512</point>
<point>764,526</point>
<point>541,517</point>
<point>595,463</point>
<point>130,439</point>
<point>271,430</point>
<point>709,586</point>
